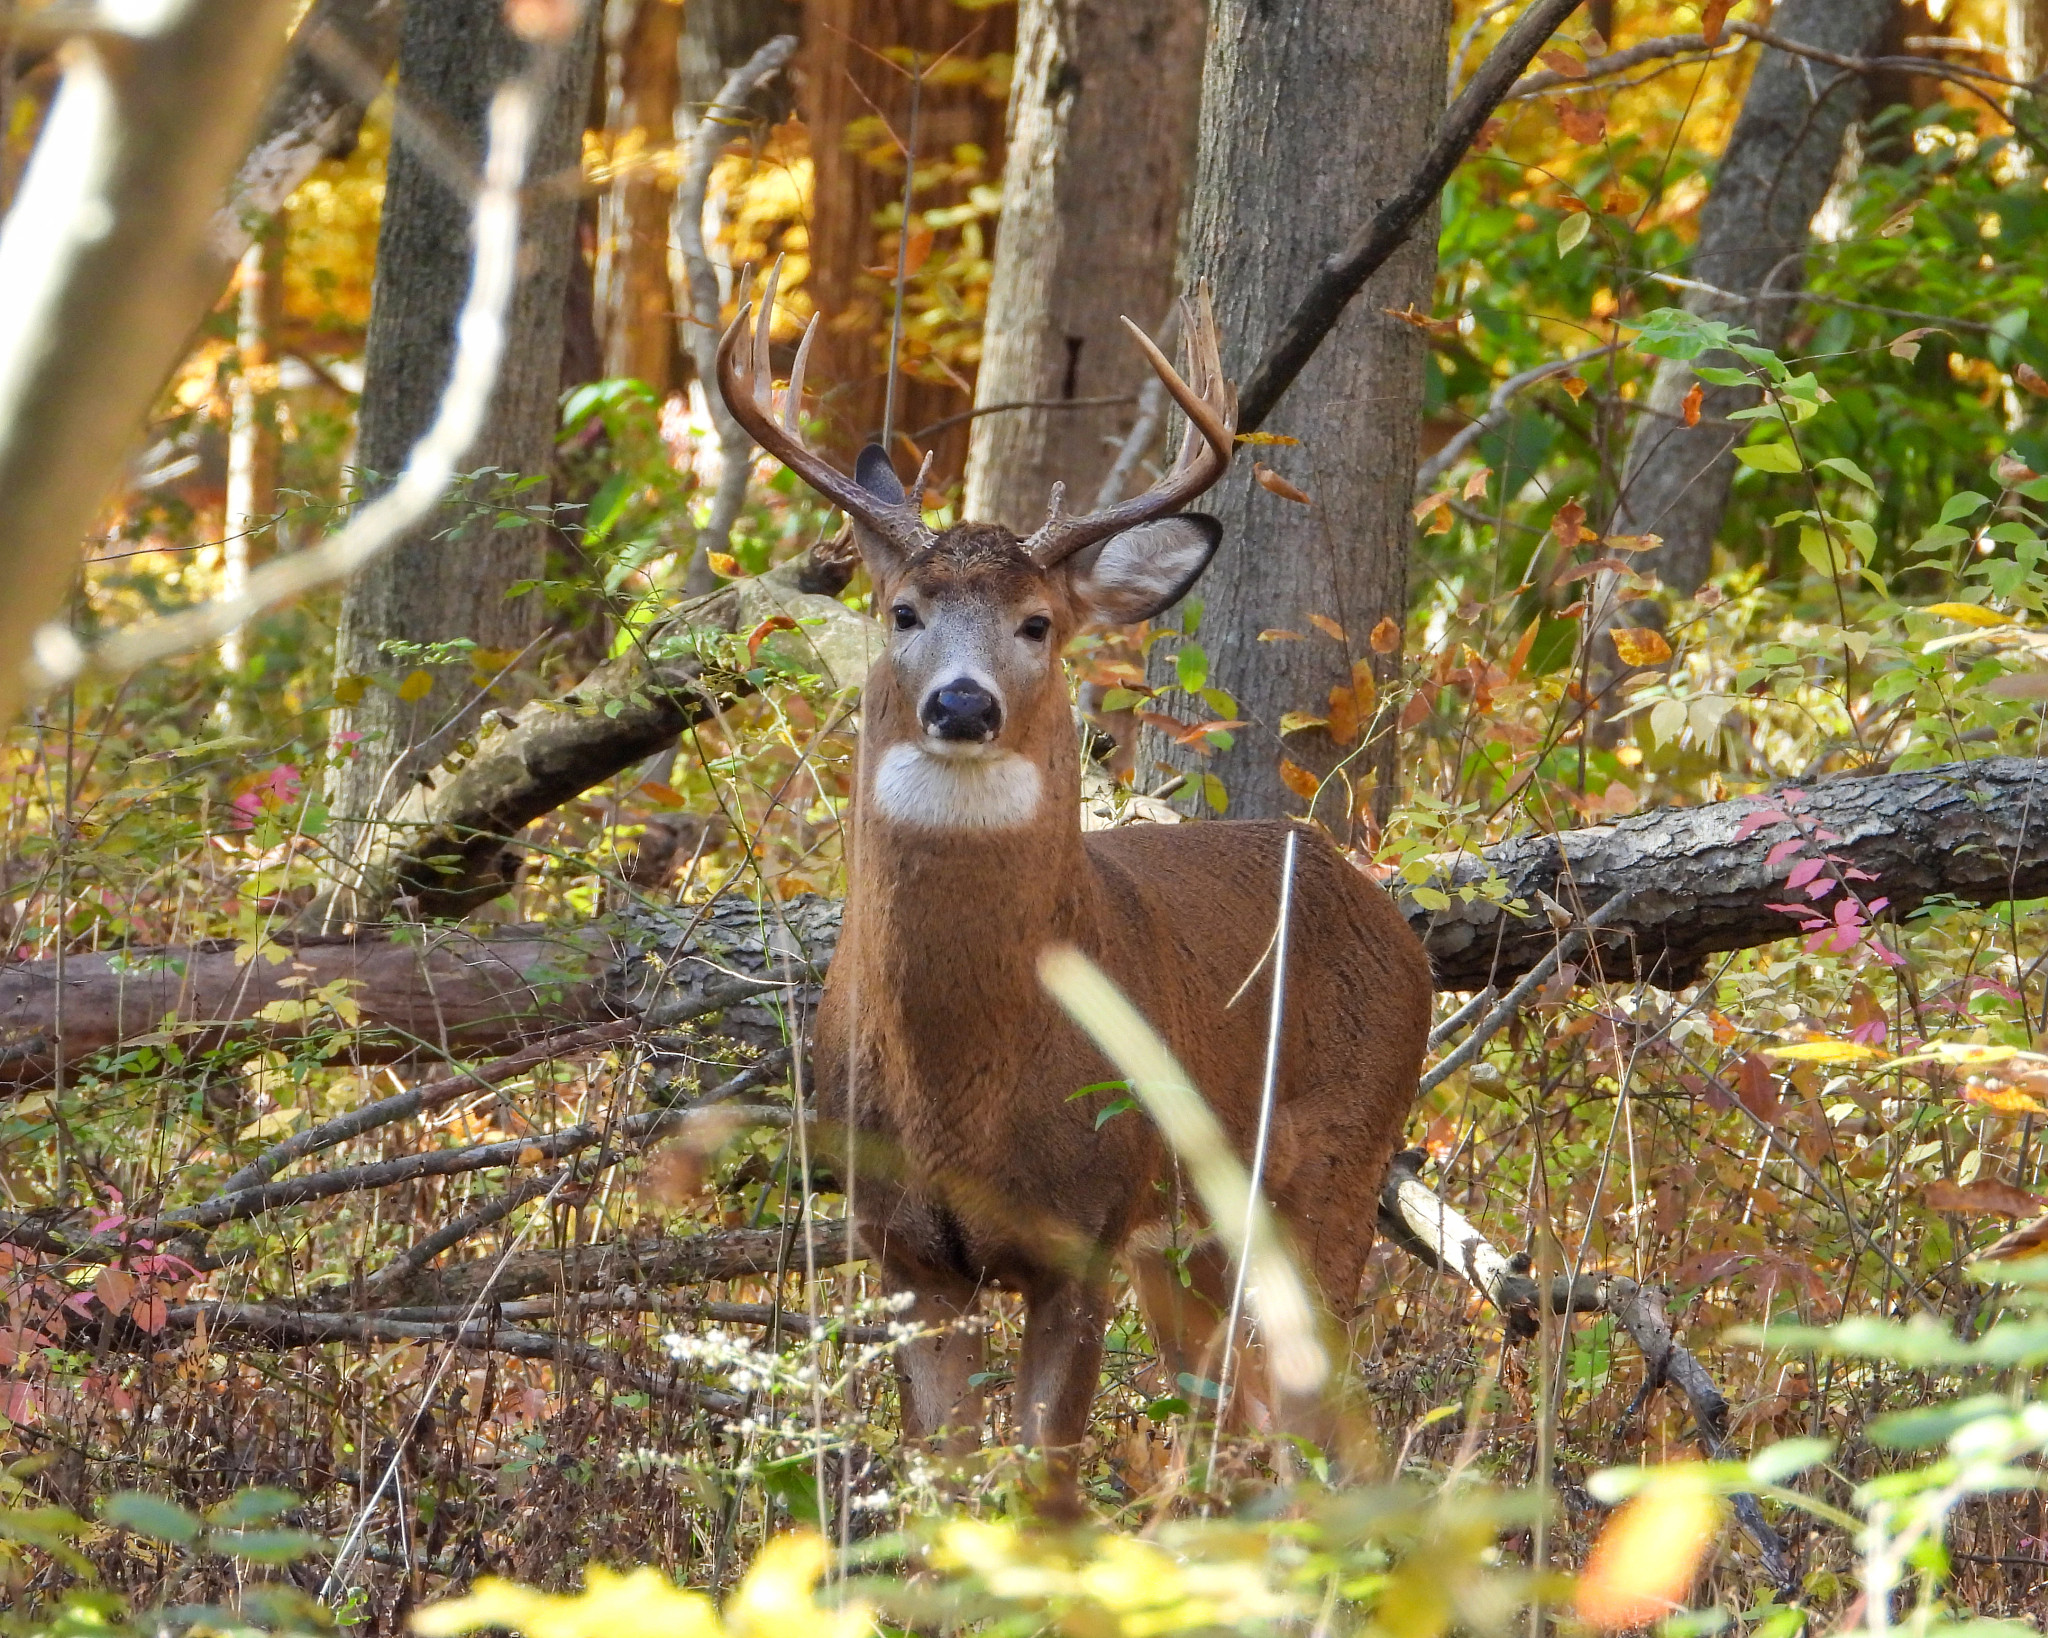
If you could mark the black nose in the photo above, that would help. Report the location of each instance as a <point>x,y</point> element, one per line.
<point>962,709</point>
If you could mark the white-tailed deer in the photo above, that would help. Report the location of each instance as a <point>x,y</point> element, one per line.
<point>935,1045</point>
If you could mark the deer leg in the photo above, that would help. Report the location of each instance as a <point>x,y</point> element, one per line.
<point>941,1404</point>
<point>1056,1381</point>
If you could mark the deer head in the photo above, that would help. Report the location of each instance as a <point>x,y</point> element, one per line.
<point>968,705</point>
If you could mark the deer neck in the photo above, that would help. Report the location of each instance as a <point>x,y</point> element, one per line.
<point>961,875</point>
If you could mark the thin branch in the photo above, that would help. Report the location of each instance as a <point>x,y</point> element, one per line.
<point>296,1329</point>
<point>975,414</point>
<point>700,321</point>
<point>1344,274</point>
<point>1501,1016</point>
<point>1496,411</point>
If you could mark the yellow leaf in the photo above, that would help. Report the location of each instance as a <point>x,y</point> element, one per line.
<point>1969,614</point>
<point>531,1155</point>
<point>1475,486</point>
<point>1641,645</point>
<point>1327,626</point>
<point>350,690</point>
<point>1279,634</point>
<point>417,686</point>
<point>1343,723</point>
<point>1643,1565</point>
<point>1267,438</point>
<point>1827,1052</point>
<point>1292,722</point>
<point>723,564</point>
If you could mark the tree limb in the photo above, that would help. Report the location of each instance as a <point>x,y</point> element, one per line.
<point>1344,274</point>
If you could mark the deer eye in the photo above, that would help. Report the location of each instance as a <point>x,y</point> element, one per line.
<point>1035,628</point>
<point>905,617</point>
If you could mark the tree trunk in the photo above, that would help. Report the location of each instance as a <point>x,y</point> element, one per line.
<point>1781,159</point>
<point>1091,214</point>
<point>2026,39</point>
<point>1291,155</point>
<point>857,178</point>
<point>1693,883</point>
<point>640,327</point>
<point>449,579</point>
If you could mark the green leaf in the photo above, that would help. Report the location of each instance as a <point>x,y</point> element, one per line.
<point>1776,1463</point>
<point>1572,231</point>
<point>1932,1424</point>
<point>1430,898</point>
<point>265,1546</point>
<point>1191,667</point>
<point>1769,457</point>
<point>1849,469</point>
<point>1122,699</point>
<point>1160,1409</point>
<point>1962,505</point>
<point>1214,794</point>
<point>259,1504</point>
<point>150,1516</point>
<point>1109,1111</point>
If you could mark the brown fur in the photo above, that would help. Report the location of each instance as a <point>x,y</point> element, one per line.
<point>936,1044</point>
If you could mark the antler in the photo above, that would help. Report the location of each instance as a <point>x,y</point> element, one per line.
<point>748,387</point>
<point>1211,409</point>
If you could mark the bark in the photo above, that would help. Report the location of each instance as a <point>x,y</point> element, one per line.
<point>446,844</point>
<point>857,180</point>
<point>1780,161</point>
<point>1967,833</point>
<point>448,579</point>
<point>2026,40</point>
<point>640,328</point>
<point>106,261</point>
<point>1091,215</point>
<point>340,54</point>
<point>1287,148</point>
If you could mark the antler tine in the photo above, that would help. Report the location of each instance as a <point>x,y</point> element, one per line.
<point>1211,409</point>
<point>747,383</point>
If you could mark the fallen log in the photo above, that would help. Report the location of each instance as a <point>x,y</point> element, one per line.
<point>1695,885</point>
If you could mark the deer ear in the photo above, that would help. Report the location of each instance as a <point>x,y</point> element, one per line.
<point>874,473</point>
<point>1144,571</point>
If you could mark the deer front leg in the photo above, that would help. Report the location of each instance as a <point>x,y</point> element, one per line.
<point>941,1404</point>
<point>1056,1381</point>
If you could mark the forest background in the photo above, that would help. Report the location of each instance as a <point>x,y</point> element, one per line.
<point>1498,572</point>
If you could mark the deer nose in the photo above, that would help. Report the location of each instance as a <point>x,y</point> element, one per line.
<point>962,710</point>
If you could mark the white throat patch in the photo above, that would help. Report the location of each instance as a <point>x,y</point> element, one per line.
<point>914,787</point>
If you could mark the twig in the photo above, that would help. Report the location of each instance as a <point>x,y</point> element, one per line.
<point>627,1300</point>
<point>975,414</point>
<point>1463,1016</point>
<point>430,469</point>
<point>1620,62</point>
<point>1511,1003</point>
<point>1343,275</point>
<point>700,323</point>
<point>1145,426</point>
<point>1496,411</point>
<point>295,1328</point>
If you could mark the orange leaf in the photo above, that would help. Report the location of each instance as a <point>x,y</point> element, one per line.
<point>1643,1565</point>
<point>1280,634</point>
<point>1633,543</point>
<point>1585,126</point>
<point>1575,385</point>
<point>1365,685</point>
<point>2024,1241</point>
<point>1328,627</point>
<point>1475,485</point>
<point>2003,1100</point>
<point>1641,645</point>
<point>759,635</point>
<point>2030,378</point>
<point>116,1288</point>
<point>724,564</point>
<point>1597,565</point>
<point>1571,611</point>
<point>1386,636</point>
<point>1274,484</point>
<point>1520,657</point>
<point>1691,407</point>
<point>1568,524</point>
<point>148,1313</point>
<point>1563,62</point>
<point>1712,19</point>
<point>1299,780</point>
<point>1202,730</point>
<point>1907,346</point>
<point>1343,715</point>
<point>1984,1196</point>
<point>1433,503</point>
<point>1489,134</point>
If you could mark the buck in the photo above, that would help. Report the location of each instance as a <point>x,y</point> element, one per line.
<point>936,1049</point>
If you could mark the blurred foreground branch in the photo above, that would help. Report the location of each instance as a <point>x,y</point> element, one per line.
<point>107,260</point>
